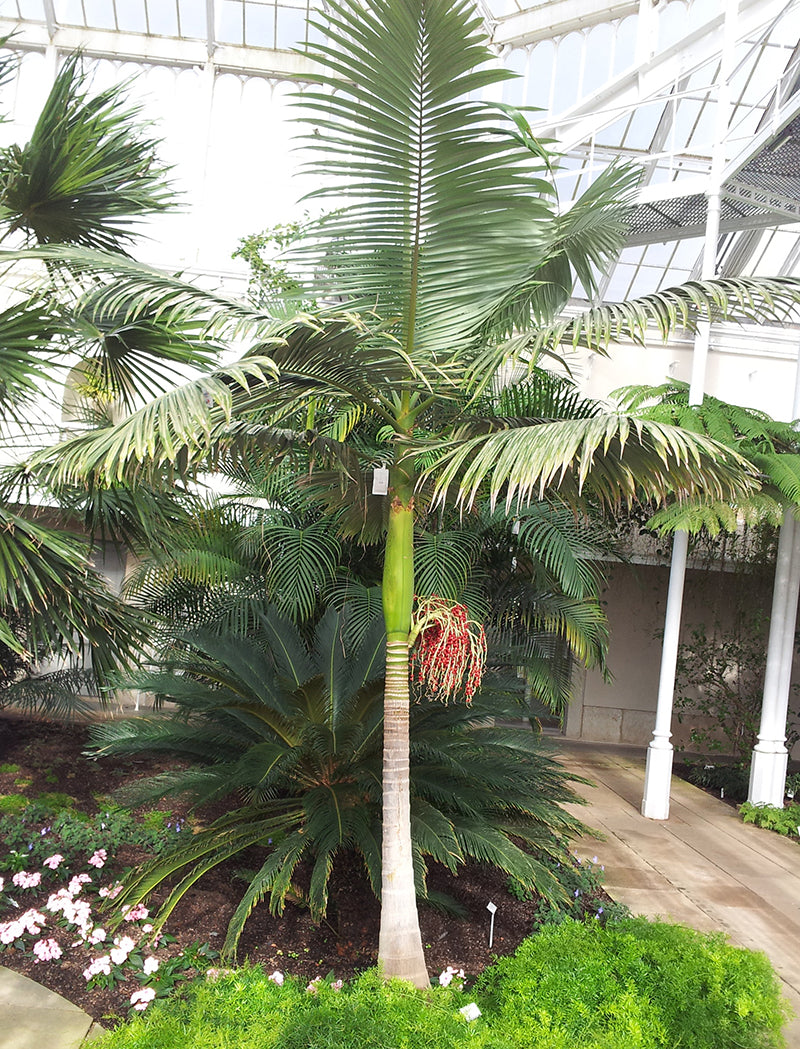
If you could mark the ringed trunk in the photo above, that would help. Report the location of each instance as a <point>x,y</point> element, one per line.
<point>400,944</point>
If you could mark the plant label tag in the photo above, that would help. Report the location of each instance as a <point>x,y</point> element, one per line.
<point>380,480</point>
<point>491,907</point>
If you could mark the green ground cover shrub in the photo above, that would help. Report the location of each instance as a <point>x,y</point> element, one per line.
<point>246,1010</point>
<point>632,985</point>
<point>733,781</point>
<point>629,985</point>
<point>784,821</point>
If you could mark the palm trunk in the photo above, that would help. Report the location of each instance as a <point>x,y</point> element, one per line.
<point>400,945</point>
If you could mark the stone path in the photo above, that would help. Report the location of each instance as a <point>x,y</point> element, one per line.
<point>32,1017</point>
<point>702,866</point>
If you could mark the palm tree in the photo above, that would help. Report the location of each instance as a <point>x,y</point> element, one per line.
<point>88,173</point>
<point>444,260</point>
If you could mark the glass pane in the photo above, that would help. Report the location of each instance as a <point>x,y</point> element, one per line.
<point>291,27</point>
<point>599,50</point>
<point>568,64</point>
<point>231,22</point>
<point>31,9</point>
<point>259,25</point>
<point>131,16</point>
<point>100,14</point>
<point>163,17</point>
<point>625,44</point>
<point>69,12</point>
<point>9,9</point>
<point>192,19</point>
<point>540,74</point>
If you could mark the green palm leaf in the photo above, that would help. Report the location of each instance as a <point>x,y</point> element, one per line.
<point>47,581</point>
<point>612,456</point>
<point>88,171</point>
<point>442,214</point>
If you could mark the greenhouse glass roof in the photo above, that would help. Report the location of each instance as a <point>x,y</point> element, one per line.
<point>640,80</point>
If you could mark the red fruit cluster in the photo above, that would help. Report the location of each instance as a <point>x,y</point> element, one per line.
<point>450,652</point>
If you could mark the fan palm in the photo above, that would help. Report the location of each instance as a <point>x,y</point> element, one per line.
<point>295,730</point>
<point>87,174</point>
<point>444,258</point>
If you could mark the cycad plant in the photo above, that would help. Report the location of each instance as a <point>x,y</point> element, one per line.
<point>292,732</point>
<point>445,257</point>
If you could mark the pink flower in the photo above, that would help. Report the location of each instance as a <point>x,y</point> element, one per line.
<point>56,901</point>
<point>446,978</point>
<point>24,880</point>
<point>147,928</point>
<point>77,883</point>
<point>53,861</point>
<point>312,987</point>
<point>150,965</point>
<point>2,884</point>
<point>277,977</point>
<point>337,985</point>
<point>135,914</point>
<point>99,965</point>
<point>10,931</point>
<point>111,891</point>
<point>141,999</point>
<point>97,935</point>
<point>99,858</point>
<point>124,946</point>
<point>32,921</point>
<point>46,951</point>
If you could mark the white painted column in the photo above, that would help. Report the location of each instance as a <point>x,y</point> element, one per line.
<point>770,757</point>
<point>658,770</point>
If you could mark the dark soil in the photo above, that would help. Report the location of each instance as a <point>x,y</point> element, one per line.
<point>50,758</point>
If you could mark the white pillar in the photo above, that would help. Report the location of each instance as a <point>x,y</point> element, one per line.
<point>658,771</point>
<point>770,757</point>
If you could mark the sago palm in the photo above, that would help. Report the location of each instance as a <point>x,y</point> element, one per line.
<point>292,732</point>
<point>444,257</point>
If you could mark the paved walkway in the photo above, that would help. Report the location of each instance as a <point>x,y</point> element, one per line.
<point>31,1017</point>
<point>702,866</point>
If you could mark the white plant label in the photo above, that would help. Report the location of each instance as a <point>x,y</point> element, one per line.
<point>380,480</point>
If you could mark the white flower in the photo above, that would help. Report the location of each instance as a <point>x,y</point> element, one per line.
<point>150,965</point>
<point>277,977</point>
<point>141,999</point>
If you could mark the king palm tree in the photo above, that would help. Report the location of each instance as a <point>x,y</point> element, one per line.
<point>444,259</point>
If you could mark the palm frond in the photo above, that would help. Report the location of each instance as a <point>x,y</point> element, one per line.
<point>443,563</point>
<point>87,173</point>
<point>441,211</point>
<point>761,300</point>
<point>615,457</point>
<point>48,582</point>
<point>59,694</point>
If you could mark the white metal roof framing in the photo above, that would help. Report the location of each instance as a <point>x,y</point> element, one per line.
<point>634,79</point>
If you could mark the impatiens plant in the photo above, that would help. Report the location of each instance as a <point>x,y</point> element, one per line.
<point>65,923</point>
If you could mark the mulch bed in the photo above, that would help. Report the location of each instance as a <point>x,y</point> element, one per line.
<point>50,758</point>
